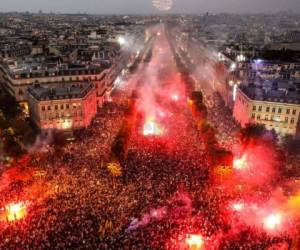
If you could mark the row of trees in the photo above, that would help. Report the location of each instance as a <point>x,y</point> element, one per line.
<point>120,144</point>
<point>16,132</point>
<point>218,156</point>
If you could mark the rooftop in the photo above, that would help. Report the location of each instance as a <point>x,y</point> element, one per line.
<point>77,90</point>
<point>271,95</point>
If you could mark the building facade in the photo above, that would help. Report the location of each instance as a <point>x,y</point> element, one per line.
<point>280,114</point>
<point>62,108</point>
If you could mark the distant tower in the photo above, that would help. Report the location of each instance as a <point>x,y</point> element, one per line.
<point>162,5</point>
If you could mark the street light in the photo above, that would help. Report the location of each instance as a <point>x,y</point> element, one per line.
<point>121,40</point>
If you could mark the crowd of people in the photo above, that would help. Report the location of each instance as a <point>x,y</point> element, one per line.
<point>166,190</point>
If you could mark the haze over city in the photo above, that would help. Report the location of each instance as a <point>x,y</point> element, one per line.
<point>145,6</point>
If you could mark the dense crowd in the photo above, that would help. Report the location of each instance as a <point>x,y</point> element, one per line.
<point>165,191</point>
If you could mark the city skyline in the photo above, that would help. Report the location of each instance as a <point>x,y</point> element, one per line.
<point>146,7</point>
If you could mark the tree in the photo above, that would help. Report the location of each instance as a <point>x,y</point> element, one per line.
<point>252,131</point>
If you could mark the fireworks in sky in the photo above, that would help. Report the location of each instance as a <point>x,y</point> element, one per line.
<point>162,5</point>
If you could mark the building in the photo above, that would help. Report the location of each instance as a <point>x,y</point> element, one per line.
<point>62,108</point>
<point>17,81</point>
<point>276,109</point>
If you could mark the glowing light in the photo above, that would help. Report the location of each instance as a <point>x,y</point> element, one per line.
<point>162,114</point>
<point>234,91</point>
<point>194,241</point>
<point>121,40</point>
<point>152,128</point>
<point>273,221</point>
<point>241,58</point>
<point>162,5</point>
<point>66,124</point>
<point>238,206</point>
<point>240,163</point>
<point>233,66</point>
<point>175,97</point>
<point>114,168</point>
<point>15,211</point>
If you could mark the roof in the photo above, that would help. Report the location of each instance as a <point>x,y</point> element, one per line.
<point>77,90</point>
<point>271,95</point>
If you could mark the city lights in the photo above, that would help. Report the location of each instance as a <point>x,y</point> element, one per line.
<point>121,40</point>
<point>234,91</point>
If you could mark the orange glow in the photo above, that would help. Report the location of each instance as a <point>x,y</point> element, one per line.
<point>15,211</point>
<point>194,241</point>
<point>152,128</point>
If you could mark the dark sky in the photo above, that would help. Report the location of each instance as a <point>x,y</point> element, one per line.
<point>145,6</point>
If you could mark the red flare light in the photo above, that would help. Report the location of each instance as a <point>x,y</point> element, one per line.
<point>240,163</point>
<point>273,221</point>
<point>175,97</point>
<point>194,241</point>
<point>15,211</point>
<point>152,128</point>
